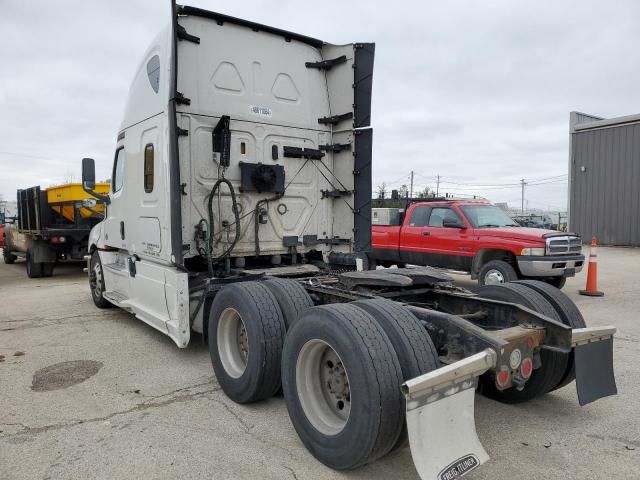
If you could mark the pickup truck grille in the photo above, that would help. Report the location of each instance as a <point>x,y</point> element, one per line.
<point>566,245</point>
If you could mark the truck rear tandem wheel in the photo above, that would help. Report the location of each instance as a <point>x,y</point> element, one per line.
<point>246,333</point>
<point>569,315</point>
<point>341,378</point>
<point>343,363</point>
<point>551,365</point>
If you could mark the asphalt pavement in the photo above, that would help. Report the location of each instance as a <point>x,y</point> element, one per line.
<point>97,394</point>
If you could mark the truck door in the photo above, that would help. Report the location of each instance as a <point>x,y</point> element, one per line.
<point>147,202</point>
<point>415,244</point>
<point>115,228</point>
<point>449,247</point>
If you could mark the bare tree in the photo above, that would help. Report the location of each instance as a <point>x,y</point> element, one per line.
<point>382,190</point>
<point>427,192</point>
<point>403,191</point>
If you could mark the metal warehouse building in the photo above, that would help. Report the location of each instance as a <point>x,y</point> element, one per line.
<point>604,178</point>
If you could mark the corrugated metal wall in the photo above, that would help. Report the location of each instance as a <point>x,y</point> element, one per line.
<point>604,197</point>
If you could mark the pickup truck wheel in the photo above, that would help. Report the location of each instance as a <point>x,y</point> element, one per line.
<point>8,258</point>
<point>496,272</point>
<point>568,313</point>
<point>96,282</point>
<point>413,346</point>
<point>292,298</point>
<point>553,364</point>
<point>557,282</point>
<point>246,333</point>
<point>34,270</point>
<point>341,381</point>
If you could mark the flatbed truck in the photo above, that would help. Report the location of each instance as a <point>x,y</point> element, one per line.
<point>52,226</point>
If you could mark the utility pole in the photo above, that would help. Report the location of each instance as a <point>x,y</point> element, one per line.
<point>411,188</point>
<point>523,183</point>
<point>437,185</point>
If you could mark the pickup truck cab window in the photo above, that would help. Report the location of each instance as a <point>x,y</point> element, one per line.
<point>118,171</point>
<point>487,216</point>
<point>419,216</point>
<point>439,214</point>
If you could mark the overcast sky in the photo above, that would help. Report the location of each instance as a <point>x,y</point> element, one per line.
<point>476,92</point>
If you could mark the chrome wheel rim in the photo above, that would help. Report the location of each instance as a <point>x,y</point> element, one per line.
<point>323,387</point>
<point>95,279</point>
<point>493,277</point>
<point>233,343</point>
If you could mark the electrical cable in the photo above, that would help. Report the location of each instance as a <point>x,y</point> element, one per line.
<point>236,213</point>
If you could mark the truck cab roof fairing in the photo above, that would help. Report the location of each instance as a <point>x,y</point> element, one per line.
<point>143,101</point>
<point>258,27</point>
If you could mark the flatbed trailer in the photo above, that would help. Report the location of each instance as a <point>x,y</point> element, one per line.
<point>240,211</point>
<point>52,226</point>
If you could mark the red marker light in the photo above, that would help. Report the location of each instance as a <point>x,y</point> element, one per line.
<point>502,378</point>
<point>526,367</point>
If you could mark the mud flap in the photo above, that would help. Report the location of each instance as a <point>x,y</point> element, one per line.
<point>440,418</point>
<point>593,351</point>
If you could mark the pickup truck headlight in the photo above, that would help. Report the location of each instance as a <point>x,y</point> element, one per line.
<point>538,251</point>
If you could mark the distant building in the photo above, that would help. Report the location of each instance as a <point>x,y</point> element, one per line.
<point>604,178</point>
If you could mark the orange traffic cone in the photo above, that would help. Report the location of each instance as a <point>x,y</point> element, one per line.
<point>592,273</point>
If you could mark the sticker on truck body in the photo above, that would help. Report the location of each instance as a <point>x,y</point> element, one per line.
<point>260,111</point>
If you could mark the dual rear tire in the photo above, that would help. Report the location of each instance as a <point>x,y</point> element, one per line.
<point>556,368</point>
<point>38,269</point>
<point>340,365</point>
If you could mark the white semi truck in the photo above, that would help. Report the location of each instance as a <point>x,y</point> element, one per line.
<point>240,209</point>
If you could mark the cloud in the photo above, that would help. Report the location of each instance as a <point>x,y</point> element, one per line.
<point>476,92</point>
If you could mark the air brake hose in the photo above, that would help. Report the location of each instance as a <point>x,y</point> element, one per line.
<point>256,219</point>
<point>236,213</point>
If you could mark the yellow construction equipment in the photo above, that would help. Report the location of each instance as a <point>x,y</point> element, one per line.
<point>62,199</point>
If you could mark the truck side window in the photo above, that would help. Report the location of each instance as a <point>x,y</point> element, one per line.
<point>148,168</point>
<point>118,171</point>
<point>438,214</point>
<point>153,72</point>
<point>419,217</point>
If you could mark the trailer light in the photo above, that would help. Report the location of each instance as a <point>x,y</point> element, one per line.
<point>502,378</point>
<point>58,239</point>
<point>526,368</point>
<point>538,251</point>
<point>515,358</point>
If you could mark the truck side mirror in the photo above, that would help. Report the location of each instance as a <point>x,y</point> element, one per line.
<point>452,223</point>
<point>89,180</point>
<point>88,173</point>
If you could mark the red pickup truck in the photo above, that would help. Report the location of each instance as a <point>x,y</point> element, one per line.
<point>475,237</point>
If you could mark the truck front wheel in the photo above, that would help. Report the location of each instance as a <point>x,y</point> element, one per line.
<point>8,257</point>
<point>341,382</point>
<point>96,282</point>
<point>496,272</point>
